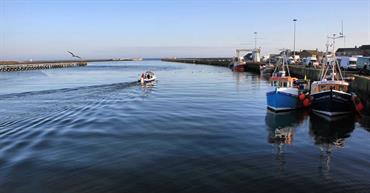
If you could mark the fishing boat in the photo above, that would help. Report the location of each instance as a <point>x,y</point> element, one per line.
<point>330,96</point>
<point>267,69</point>
<point>239,62</point>
<point>147,77</point>
<point>289,93</point>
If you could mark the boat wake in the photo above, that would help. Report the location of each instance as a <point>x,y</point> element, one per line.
<point>114,86</point>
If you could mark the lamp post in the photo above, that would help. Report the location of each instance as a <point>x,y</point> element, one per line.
<point>295,21</point>
<point>255,40</point>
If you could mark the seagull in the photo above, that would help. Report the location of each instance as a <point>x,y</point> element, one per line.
<point>73,55</point>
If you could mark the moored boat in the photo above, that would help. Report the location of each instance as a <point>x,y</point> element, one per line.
<point>289,93</point>
<point>330,96</point>
<point>239,62</point>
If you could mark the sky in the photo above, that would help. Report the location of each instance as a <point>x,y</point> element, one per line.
<point>43,29</point>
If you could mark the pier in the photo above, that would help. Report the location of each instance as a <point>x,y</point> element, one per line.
<point>10,67</point>
<point>250,66</point>
<point>208,61</point>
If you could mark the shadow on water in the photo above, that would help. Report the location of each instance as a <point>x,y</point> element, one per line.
<point>328,136</point>
<point>281,130</point>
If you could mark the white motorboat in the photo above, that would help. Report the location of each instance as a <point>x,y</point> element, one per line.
<point>147,77</point>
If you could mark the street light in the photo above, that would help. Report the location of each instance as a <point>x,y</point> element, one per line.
<point>255,40</point>
<point>295,21</point>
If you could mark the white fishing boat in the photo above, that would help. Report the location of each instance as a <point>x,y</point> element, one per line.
<point>147,77</point>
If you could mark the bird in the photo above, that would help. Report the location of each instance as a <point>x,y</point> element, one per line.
<point>73,55</point>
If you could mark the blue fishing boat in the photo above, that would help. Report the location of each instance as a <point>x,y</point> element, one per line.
<point>285,95</point>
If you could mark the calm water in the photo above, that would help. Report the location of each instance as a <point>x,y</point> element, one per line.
<point>199,129</point>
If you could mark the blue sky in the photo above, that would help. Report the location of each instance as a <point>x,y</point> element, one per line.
<point>44,29</point>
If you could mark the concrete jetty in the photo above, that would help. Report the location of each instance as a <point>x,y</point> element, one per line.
<point>35,66</point>
<point>250,66</point>
<point>361,85</point>
<point>208,61</point>
<point>9,66</point>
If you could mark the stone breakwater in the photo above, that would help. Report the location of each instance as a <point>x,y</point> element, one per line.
<point>36,66</point>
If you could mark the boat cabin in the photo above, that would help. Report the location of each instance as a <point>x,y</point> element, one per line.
<point>278,79</point>
<point>147,75</point>
<point>321,86</point>
<point>284,81</point>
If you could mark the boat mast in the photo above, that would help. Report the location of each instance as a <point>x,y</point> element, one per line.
<point>335,64</point>
<point>325,66</point>
<point>285,57</point>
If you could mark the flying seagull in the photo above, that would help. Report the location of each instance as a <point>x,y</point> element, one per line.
<point>73,55</point>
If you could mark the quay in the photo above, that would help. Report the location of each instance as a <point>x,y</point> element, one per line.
<point>10,66</point>
<point>208,61</point>
<point>225,62</point>
<point>360,84</point>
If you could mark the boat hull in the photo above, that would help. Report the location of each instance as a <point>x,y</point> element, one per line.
<point>282,101</point>
<point>145,81</point>
<point>332,103</point>
<point>239,68</point>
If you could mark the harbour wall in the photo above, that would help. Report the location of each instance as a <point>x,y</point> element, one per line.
<point>208,61</point>
<point>36,66</point>
<point>313,73</point>
<point>250,66</point>
<point>361,85</point>
<point>9,66</point>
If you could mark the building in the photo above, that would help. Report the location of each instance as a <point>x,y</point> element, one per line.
<point>363,50</point>
<point>310,53</point>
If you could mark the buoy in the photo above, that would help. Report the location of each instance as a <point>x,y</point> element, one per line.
<point>306,102</point>
<point>301,97</point>
<point>359,107</point>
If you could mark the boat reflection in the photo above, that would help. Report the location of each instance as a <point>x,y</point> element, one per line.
<point>281,130</point>
<point>329,135</point>
<point>282,125</point>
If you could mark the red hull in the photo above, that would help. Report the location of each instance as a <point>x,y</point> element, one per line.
<point>239,68</point>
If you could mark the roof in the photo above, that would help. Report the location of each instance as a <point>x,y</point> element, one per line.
<point>365,47</point>
<point>348,49</point>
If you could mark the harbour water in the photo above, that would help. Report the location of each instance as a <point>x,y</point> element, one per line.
<point>198,129</point>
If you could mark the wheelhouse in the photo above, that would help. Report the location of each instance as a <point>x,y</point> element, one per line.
<point>329,85</point>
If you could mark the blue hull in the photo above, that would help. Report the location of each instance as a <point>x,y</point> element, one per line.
<point>280,101</point>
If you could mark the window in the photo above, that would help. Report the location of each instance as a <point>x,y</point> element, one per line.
<point>342,88</point>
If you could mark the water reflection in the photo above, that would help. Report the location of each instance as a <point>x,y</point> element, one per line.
<point>281,130</point>
<point>365,122</point>
<point>328,136</point>
<point>282,125</point>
